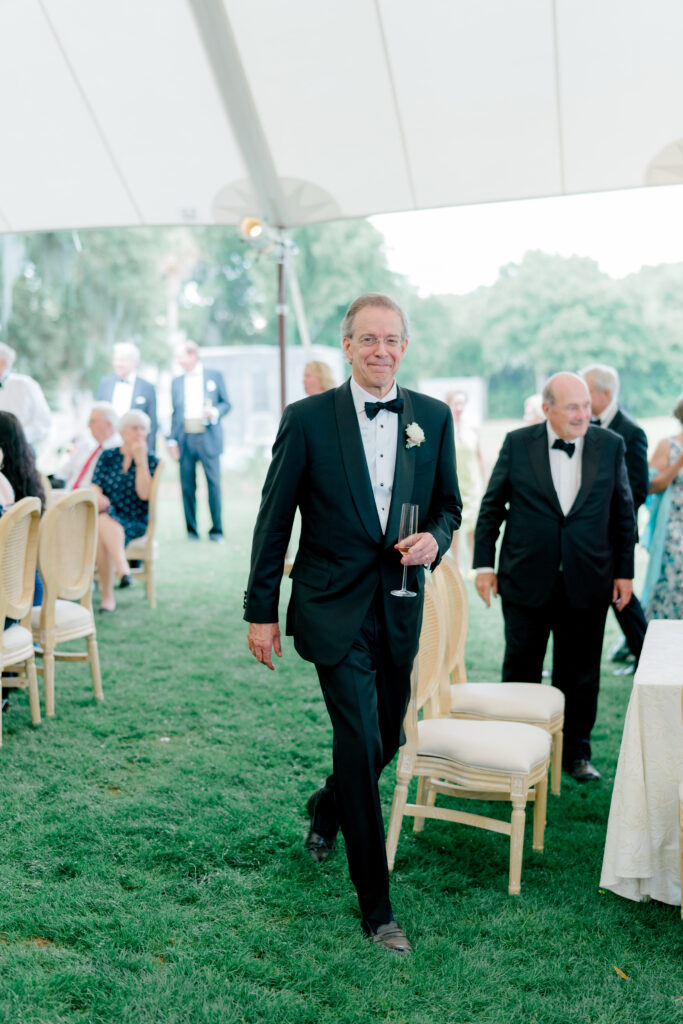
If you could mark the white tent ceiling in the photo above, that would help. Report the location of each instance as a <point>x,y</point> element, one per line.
<point>130,112</point>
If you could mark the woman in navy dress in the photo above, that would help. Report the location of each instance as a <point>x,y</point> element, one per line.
<point>123,482</point>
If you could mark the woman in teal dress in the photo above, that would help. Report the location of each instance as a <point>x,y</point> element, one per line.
<point>663,592</point>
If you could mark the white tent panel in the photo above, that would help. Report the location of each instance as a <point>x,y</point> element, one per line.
<point>169,111</point>
<point>322,89</point>
<point>144,71</point>
<point>54,168</point>
<point>621,78</point>
<point>476,91</point>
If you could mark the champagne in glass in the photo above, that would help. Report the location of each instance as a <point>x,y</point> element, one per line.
<point>409,514</point>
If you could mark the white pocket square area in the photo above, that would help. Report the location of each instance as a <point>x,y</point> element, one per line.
<point>211,385</point>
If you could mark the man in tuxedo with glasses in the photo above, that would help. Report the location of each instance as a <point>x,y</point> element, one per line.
<point>562,490</point>
<point>348,459</point>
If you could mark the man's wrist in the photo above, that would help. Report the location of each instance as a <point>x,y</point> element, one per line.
<point>484,568</point>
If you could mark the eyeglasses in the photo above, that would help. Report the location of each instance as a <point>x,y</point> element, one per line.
<point>371,341</point>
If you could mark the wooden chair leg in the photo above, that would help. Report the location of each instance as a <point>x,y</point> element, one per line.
<point>49,680</point>
<point>540,805</point>
<point>419,823</point>
<point>426,796</point>
<point>516,844</point>
<point>397,811</point>
<point>151,584</point>
<point>94,659</point>
<point>556,763</point>
<point>33,696</point>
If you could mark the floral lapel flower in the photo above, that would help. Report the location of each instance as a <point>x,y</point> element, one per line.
<point>415,435</point>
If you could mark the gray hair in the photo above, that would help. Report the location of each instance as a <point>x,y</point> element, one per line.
<point>548,395</point>
<point>110,413</point>
<point>134,418</point>
<point>602,377</point>
<point>372,299</point>
<point>129,348</point>
<point>7,354</point>
<point>678,408</point>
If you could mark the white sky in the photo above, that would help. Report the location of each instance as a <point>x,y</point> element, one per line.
<point>458,249</point>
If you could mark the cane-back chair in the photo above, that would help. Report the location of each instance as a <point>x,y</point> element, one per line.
<point>479,760</point>
<point>18,547</point>
<point>510,702</point>
<point>66,562</point>
<point>145,549</point>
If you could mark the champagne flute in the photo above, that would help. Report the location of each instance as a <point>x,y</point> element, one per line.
<point>408,526</point>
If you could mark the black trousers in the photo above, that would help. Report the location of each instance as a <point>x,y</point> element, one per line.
<point>577,648</point>
<point>633,625</point>
<point>366,696</point>
<point>193,450</point>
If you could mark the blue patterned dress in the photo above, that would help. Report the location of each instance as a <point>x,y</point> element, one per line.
<point>125,506</point>
<point>666,599</point>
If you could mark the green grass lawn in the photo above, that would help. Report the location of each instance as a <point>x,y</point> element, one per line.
<point>151,862</point>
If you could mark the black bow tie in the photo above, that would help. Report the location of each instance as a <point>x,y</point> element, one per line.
<point>565,446</point>
<point>372,408</point>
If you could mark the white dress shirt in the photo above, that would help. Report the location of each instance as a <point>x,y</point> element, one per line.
<point>122,395</point>
<point>23,396</point>
<point>71,469</point>
<point>565,471</point>
<point>607,415</point>
<point>380,440</point>
<point>194,393</point>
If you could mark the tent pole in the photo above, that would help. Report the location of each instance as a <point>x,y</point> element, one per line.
<point>281,310</point>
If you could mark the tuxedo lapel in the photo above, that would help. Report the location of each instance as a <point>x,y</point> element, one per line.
<point>355,463</point>
<point>540,462</point>
<point>404,472</point>
<point>590,459</point>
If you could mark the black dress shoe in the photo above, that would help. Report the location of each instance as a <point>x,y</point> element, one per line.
<point>583,771</point>
<point>318,845</point>
<point>125,581</point>
<point>389,936</point>
<point>620,652</point>
<point>626,670</point>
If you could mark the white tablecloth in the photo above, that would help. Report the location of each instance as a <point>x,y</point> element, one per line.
<point>641,849</point>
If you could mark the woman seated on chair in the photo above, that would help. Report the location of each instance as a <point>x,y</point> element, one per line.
<point>123,482</point>
<point>19,479</point>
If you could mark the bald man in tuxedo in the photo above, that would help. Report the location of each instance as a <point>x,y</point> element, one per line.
<point>567,553</point>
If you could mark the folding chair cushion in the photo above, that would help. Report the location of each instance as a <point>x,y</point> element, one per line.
<point>508,747</point>
<point>508,701</point>
<point>72,620</point>
<point>17,644</point>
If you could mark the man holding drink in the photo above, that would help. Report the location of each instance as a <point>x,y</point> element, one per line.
<point>350,458</point>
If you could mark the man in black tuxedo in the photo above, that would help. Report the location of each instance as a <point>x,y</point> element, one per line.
<point>125,390</point>
<point>603,385</point>
<point>349,458</point>
<point>561,486</point>
<point>200,402</point>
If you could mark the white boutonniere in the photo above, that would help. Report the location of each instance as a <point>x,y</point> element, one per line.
<point>415,435</point>
<point>211,385</point>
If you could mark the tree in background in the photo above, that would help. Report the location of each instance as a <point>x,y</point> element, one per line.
<point>67,297</point>
<point>78,293</point>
